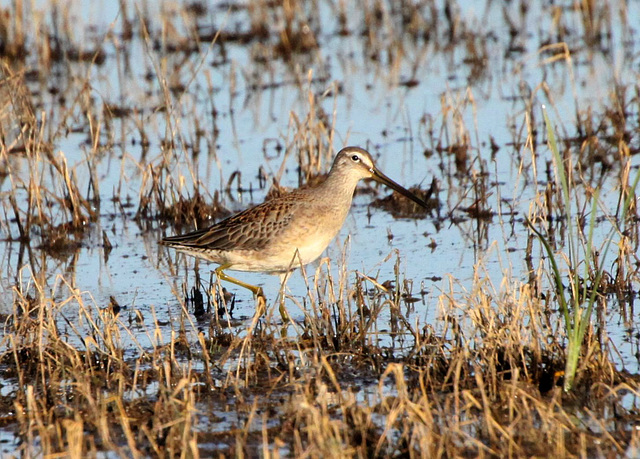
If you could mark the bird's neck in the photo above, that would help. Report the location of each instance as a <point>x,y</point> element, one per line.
<point>340,185</point>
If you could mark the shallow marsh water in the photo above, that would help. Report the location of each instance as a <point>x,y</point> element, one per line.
<point>459,102</point>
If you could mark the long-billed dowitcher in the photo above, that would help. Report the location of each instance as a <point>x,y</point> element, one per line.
<point>287,231</point>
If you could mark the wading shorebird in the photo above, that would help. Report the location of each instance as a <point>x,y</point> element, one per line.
<point>287,231</point>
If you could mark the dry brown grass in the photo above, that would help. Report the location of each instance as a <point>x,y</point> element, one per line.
<point>478,383</point>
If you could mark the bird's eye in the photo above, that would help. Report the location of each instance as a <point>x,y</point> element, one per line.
<point>355,158</point>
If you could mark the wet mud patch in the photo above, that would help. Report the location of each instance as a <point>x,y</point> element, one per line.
<point>400,207</point>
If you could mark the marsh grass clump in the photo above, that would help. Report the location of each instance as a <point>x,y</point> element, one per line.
<point>18,122</point>
<point>55,201</point>
<point>483,367</point>
<point>196,209</point>
<point>586,265</point>
<point>44,192</point>
<point>162,197</point>
<point>75,389</point>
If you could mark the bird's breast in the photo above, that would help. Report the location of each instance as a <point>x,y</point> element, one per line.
<point>314,229</point>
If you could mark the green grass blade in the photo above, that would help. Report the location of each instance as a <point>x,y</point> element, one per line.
<point>556,272</point>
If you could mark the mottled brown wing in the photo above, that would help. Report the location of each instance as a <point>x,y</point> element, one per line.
<point>251,229</point>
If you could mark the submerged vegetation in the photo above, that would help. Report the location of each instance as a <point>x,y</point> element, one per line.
<point>171,117</point>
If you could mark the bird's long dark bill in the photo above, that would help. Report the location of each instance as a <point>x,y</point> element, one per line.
<point>380,177</point>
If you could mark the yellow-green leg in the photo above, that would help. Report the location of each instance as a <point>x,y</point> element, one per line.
<point>257,291</point>
<point>283,310</point>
